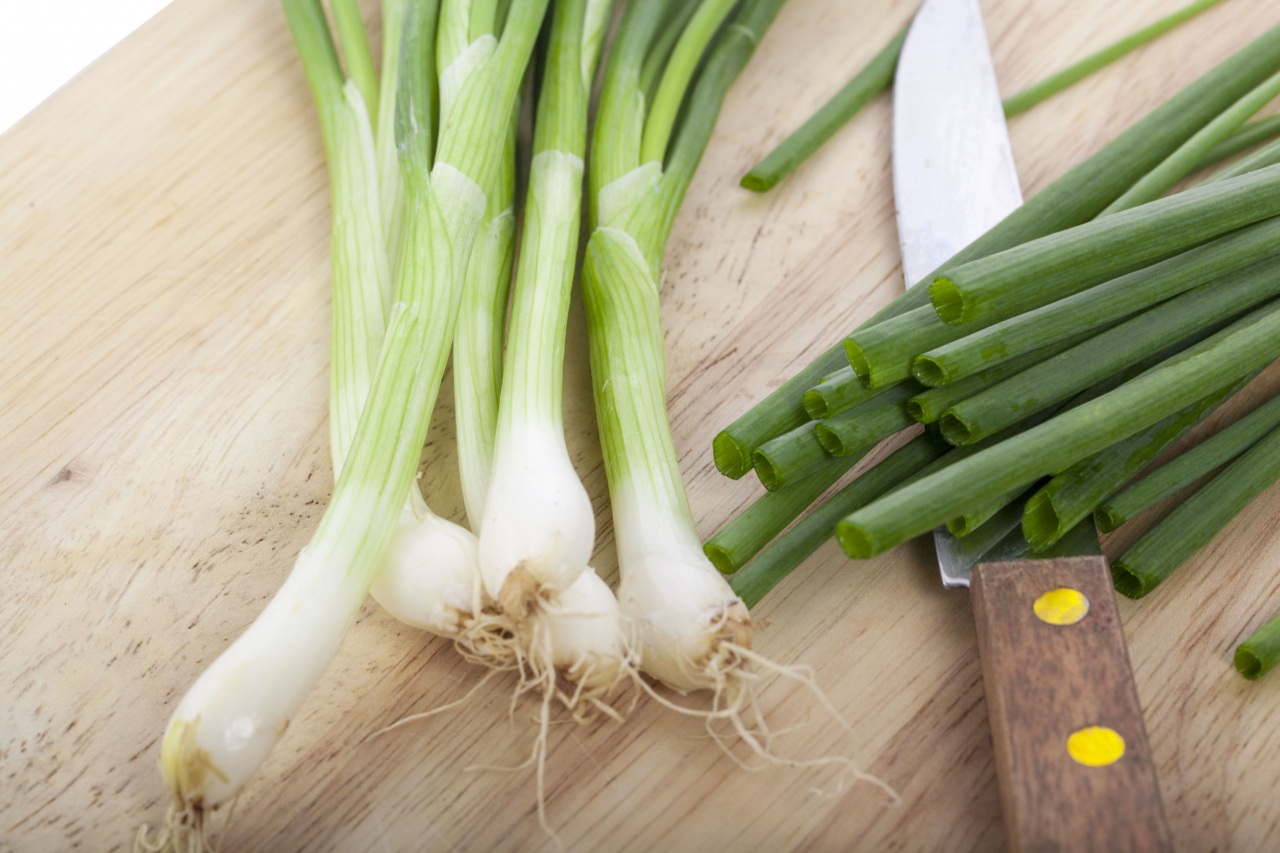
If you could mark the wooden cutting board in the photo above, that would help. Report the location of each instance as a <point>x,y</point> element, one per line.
<point>163,353</point>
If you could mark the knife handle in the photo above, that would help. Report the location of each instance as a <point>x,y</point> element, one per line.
<point>1071,750</point>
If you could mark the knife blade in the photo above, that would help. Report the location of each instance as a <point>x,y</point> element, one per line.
<point>1071,751</point>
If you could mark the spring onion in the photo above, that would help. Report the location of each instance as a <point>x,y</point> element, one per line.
<point>1193,524</point>
<point>1076,197</point>
<point>228,721</point>
<point>1084,312</point>
<point>539,527</point>
<point>1056,266</point>
<point>1259,654</point>
<point>1189,466</point>
<point>694,631</point>
<point>1091,361</point>
<point>1233,353</point>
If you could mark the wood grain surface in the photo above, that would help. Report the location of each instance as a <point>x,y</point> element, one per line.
<point>164,338</point>
<point>1043,683</point>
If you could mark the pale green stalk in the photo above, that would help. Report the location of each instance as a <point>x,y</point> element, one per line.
<point>355,51</point>
<point>538,526</point>
<point>477,348</point>
<point>391,187</point>
<point>679,71</point>
<point>1183,162</point>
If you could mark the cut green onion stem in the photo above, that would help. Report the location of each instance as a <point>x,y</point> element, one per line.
<point>1074,493</point>
<point>1191,526</point>
<point>1056,266</point>
<point>1028,98</point>
<point>768,515</point>
<point>1085,311</point>
<point>1073,435</point>
<point>1091,361</point>
<point>930,405</point>
<point>1259,654</point>
<point>873,79</point>
<point>778,560</point>
<point>1189,467</point>
<point>790,457</point>
<point>861,428</point>
<point>838,392</point>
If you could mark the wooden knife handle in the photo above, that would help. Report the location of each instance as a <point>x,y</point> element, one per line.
<point>1059,692</point>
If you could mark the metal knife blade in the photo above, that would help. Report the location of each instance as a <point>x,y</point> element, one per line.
<point>953,171</point>
<point>953,177</point>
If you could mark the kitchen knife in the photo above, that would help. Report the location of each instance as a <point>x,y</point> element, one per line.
<point>1071,750</point>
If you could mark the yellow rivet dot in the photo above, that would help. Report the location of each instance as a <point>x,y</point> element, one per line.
<point>1096,746</point>
<point>1062,607</point>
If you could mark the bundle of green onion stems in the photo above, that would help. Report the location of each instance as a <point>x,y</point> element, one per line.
<point>423,163</point>
<point>1047,365</point>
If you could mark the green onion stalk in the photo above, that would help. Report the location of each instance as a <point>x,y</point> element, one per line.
<point>1189,467</point>
<point>228,721</point>
<point>1076,197</point>
<point>1249,135</point>
<point>1056,266</point>
<point>1053,511</point>
<point>1267,155</point>
<point>1085,312</point>
<point>538,526</point>
<point>1183,532</point>
<point>694,632</point>
<point>877,76</point>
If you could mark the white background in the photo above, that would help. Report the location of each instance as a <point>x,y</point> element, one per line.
<point>44,43</point>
